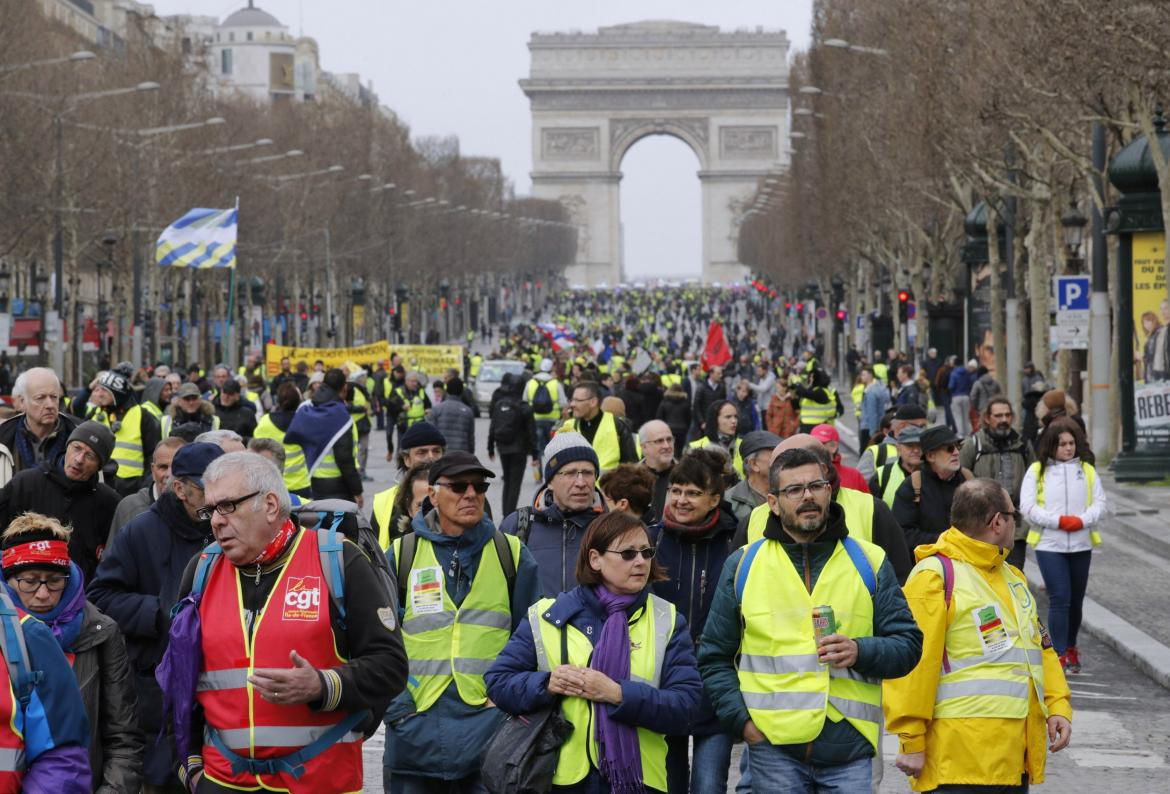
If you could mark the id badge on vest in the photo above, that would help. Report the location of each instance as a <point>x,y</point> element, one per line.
<point>426,590</point>
<point>993,634</point>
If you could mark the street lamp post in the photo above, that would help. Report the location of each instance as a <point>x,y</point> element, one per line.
<point>1073,225</point>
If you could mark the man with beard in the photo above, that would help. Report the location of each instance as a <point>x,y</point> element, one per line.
<point>999,453</point>
<point>922,503</point>
<point>764,669</point>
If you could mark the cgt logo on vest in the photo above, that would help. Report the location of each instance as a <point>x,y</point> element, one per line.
<point>302,598</point>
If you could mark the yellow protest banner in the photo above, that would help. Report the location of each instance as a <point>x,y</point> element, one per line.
<point>330,356</point>
<point>433,360</point>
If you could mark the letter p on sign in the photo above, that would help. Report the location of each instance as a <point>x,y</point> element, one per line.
<point>1072,293</point>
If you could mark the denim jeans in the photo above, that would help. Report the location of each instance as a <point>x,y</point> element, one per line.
<point>412,784</point>
<point>1065,577</point>
<point>709,762</point>
<point>541,429</point>
<point>773,770</point>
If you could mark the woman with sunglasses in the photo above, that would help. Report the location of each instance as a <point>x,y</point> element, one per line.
<point>1063,501</point>
<point>44,582</point>
<point>618,688</point>
<point>694,539</point>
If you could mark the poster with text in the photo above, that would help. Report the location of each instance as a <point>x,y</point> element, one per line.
<point>1151,340</point>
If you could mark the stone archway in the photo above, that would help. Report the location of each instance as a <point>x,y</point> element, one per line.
<point>594,95</point>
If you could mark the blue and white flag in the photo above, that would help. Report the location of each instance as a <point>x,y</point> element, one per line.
<point>202,238</point>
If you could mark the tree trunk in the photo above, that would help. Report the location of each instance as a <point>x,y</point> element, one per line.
<point>1036,242</point>
<point>998,324</point>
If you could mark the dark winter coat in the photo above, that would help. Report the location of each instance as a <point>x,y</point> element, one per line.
<point>705,396</point>
<point>28,453</point>
<point>240,417</point>
<point>892,651</point>
<point>675,410</point>
<point>88,506</point>
<point>522,442</point>
<point>554,538</point>
<point>925,520</point>
<point>457,424</point>
<point>349,484</point>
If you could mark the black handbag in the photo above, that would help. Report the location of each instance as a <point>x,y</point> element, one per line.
<point>521,756</point>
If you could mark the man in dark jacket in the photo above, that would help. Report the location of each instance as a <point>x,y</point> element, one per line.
<point>657,440</point>
<point>40,432</point>
<point>234,413</point>
<point>922,503</point>
<point>330,452</point>
<point>569,501</point>
<point>515,442</point>
<point>137,583</point>
<point>801,538</point>
<point>706,392</point>
<point>160,472</point>
<point>455,419</point>
<point>70,492</point>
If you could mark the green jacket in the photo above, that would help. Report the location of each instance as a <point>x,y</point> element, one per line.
<point>892,651</point>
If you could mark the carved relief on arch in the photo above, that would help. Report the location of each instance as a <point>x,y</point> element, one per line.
<point>624,132</point>
<point>579,216</point>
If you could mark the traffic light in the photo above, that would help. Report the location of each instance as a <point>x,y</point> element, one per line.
<point>787,306</point>
<point>799,308</point>
<point>903,305</point>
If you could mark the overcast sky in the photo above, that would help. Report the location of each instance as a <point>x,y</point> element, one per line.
<point>451,67</point>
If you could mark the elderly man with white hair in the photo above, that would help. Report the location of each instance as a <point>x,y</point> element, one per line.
<point>284,704</point>
<point>40,433</point>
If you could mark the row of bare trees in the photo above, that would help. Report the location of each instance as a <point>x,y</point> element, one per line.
<point>907,114</point>
<point>338,205</point>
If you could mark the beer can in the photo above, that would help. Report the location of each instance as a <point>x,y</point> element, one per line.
<point>824,623</point>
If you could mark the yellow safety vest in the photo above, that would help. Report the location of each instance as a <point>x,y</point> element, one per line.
<point>650,633</point>
<point>327,468</point>
<point>858,507</point>
<point>881,372</point>
<point>476,363</point>
<point>814,413</point>
<point>128,445</point>
<point>151,407</point>
<point>736,458</point>
<point>296,470</point>
<point>554,391</point>
<point>787,691</point>
<point>383,509</point>
<point>1090,475</point>
<point>446,643</point>
<point>605,440</point>
<point>857,394</point>
<point>416,409</point>
<point>888,480</point>
<point>993,655</point>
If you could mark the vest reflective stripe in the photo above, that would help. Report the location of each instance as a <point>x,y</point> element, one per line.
<point>1090,474</point>
<point>296,470</point>
<point>295,615</point>
<point>459,643</point>
<point>858,507</point>
<point>128,445</point>
<point>787,692</point>
<point>327,468</point>
<point>11,760</point>
<point>888,480</point>
<point>605,441</point>
<point>383,511</point>
<point>650,634</point>
<point>975,682</point>
<point>553,393</point>
<point>815,413</point>
<point>416,409</point>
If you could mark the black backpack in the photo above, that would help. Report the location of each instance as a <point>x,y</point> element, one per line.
<point>507,420</point>
<point>542,402</point>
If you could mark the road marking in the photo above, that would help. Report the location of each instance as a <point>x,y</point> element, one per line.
<point>1099,696</point>
<point>1102,757</point>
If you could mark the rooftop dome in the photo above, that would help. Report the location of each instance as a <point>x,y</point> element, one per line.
<point>251,17</point>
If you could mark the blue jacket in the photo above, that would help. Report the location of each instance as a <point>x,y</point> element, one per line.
<point>960,382</point>
<point>875,401</point>
<point>446,740</point>
<point>56,731</point>
<point>515,686</point>
<point>554,538</point>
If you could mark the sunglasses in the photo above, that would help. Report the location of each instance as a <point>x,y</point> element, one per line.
<point>461,486</point>
<point>629,554</point>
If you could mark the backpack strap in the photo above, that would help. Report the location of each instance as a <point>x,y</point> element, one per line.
<point>207,560</point>
<point>405,561</point>
<point>20,672</point>
<point>861,563</point>
<point>745,564</point>
<point>948,572</point>
<point>330,547</point>
<point>504,552</point>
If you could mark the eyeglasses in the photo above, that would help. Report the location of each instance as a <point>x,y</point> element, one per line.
<point>795,492</point>
<point>587,474</point>
<point>689,493</point>
<point>224,508</point>
<point>54,584</point>
<point>461,486</point>
<point>1014,515</point>
<point>950,448</point>
<point>664,441</point>
<point>629,554</point>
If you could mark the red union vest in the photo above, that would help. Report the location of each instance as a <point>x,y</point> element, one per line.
<point>11,731</point>
<point>296,615</point>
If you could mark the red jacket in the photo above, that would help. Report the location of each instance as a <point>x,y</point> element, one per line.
<point>850,477</point>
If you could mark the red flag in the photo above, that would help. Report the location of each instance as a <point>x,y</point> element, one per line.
<point>716,353</point>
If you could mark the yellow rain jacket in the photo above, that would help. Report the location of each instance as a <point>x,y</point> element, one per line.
<point>988,751</point>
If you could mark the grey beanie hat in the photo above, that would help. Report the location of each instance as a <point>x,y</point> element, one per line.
<point>565,448</point>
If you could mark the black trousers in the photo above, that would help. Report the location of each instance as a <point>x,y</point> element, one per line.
<point>513,465</point>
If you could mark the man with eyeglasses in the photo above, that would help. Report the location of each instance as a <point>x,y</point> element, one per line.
<point>610,436</point>
<point>657,443</point>
<point>567,501</point>
<point>803,687</point>
<point>464,586</point>
<point>40,432</point>
<point>137,583</point>
<point>292,674</point>
<point>989,677</point>
<point>70,492</point>
<point>922,503</point>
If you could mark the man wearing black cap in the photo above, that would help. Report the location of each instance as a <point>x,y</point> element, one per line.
<point>922,503</point>
<point>234,413</point>
<point>69,491</point>
<point>135,431</point>
<point>137,583</point>
<point>421,443</point>
<point>40,432</point>
<point>454,573</point>
<point>874,457</point>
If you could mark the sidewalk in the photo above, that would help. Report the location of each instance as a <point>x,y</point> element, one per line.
<point>1128,601</point>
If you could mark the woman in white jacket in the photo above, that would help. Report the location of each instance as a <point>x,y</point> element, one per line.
<point>1063,500</point>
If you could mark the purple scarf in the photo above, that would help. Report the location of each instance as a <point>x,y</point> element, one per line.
<point>621,759</point>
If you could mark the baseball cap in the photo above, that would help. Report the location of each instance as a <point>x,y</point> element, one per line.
<point>911,434</point>
<point>825,433</point>
<point>193,459</point>
<point>188,390</point>
<point>456,462</point>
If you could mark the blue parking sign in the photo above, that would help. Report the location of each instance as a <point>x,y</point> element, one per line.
<point>1072,293</point>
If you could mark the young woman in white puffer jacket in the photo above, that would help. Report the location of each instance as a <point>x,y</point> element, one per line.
<point>1063,501</point>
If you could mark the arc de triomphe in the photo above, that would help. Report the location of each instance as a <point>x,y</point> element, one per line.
<point>594,95</point>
